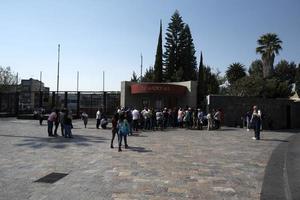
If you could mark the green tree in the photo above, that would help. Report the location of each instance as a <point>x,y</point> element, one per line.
<point>149,75</point>
<point>200,83</point>
<point>269,46</point>
<point>285,71</point>
<point>256,68</point>
<point>7,78</point>
<point>187,59</point>
<point>235,71</point>
<point>158,66</point>
<point>275,88</point>
<point>171,55</point>
<point>211,84</point>
<point>134,77</point>
<point>297,79</point>
<point>247,86</point>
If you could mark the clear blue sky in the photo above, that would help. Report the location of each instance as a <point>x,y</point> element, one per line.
<point>110,35</point>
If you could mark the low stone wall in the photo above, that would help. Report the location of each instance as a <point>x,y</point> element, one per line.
<point>277,113</point>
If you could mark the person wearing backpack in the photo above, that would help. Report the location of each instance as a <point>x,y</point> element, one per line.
<point>123,131</point>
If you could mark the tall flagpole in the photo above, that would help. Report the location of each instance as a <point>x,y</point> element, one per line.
<point>41,95</point>
<point>103,75</point>
<point>77,80</point>
<point>57,87</point>
<point>141,68</point>
<point>41,80</point>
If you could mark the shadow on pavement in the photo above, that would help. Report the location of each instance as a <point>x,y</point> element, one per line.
<point>56,142</point>
<point>274,140</point>
<point>139,149</point>
<point>137,135</point>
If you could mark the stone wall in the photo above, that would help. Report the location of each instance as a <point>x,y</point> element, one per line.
<point>277,113</point>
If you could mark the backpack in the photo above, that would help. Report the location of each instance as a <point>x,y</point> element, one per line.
<point>123,128</point>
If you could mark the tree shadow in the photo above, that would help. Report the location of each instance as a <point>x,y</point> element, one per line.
<point>139,149</point>
<point>57,142</point>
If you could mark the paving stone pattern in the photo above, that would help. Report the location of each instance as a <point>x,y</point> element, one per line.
<point>171,164</point>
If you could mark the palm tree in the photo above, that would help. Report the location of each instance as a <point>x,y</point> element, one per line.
<point>235,71</point>
<point>269,46</point>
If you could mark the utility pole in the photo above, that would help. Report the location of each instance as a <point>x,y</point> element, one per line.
<point>77,80</point>
<point>103,75</point>
<point>41,94</point>
<point>57,87</point>
<point>141,68</point>
<point>41,80</point>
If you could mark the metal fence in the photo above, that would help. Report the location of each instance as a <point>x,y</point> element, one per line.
<point>89,101</point>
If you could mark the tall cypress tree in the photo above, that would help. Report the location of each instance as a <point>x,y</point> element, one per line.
<point>186,56</point>
<point>171,55</point>
<point>158,66</point>
<point>200,81</point>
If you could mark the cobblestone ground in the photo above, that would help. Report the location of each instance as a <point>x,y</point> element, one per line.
<point>173,164</point>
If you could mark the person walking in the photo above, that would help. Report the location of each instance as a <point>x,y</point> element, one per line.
<point>123,130</point>
<point>248,118</point>
<point>51,119</point>
<point>256,123</point>
<point>209,121</point>
<point>41,113</point>
<point>98,118</point>
<point>56,123</point>
<point>68,125</point>
<point>135,118</point>
<point>114,129</point>
<point>84,117</point>
<point>61,119</point>
<point>217,118</point>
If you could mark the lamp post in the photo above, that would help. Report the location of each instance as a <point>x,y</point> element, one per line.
<point>57,81</point>
<point>77,81</point>
<point>41,94</point>
<point>104,93</point>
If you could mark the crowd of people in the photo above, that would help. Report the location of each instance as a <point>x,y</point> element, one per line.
<point>159,119</point>
<point>59,117</point>
<point>126,121</point>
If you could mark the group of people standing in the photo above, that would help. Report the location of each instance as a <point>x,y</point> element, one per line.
<point>101,120</point>
<point>125,121</point>
<point>159,119</point>
<point>62,118</point>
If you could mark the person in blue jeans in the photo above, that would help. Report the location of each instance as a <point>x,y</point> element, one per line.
<point>123,131</point>
<point>68,125</point>
<point>51,119</point>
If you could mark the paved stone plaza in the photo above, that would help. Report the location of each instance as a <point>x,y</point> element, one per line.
<point>173,164</point>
